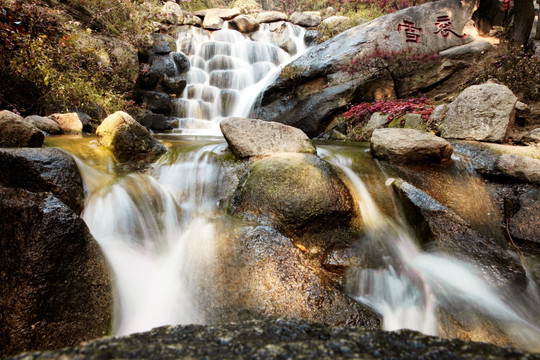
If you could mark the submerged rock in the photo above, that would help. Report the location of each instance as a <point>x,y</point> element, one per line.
<point>481,112</point>
<point>15,132</point>
<point>297,193</point>
<point>43,170</point>
<point>55,285</point>
<point>441,227</point>
<point>128,140</point>
<point>409,146</point>
<point>281,338</point>
<point>252,137</point>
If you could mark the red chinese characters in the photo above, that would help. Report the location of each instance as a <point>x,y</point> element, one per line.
<point>444,25</point>
<point>412,33</point>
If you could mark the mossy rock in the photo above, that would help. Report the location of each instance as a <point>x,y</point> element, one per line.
<point>295,193</point>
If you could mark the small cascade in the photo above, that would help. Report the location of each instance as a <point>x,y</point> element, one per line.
<point>158,237</point>
<point>414,286</point>
<point>228,72</point>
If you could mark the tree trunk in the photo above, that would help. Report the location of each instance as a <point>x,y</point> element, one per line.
<point>523,21</point>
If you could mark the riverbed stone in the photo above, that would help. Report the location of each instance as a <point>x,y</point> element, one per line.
<point>306,19</point>
<point>55,284</point>
<point>296,193</point>
<point>252,137</point>
<point>481,112</point>
<point>44,124</point>
<point>69,122</point>
<point>409,146</point>
<point>43,170</point>
<point>128,140</point>
<point>525,223</point>
<point>244,23</point>
<point>438,227</point>
<point>15,132</point>
<point>522,168</point>
<point>271,16</point>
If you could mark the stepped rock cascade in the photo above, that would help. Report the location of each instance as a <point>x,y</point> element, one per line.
<point>229,70</point>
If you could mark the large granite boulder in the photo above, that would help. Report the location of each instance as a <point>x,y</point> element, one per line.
<point>44,124</point>
<point>266,276</point>
<point>441,228</point>
<point>55,285</point>
<point>409,146</point>
<point>319,89</point>
<point>281,339</point>
<point>296,193</point>
<point>128,140</point>
<point>251,137</point>
<point>522,168</point>
<point>15,132</point>
<point>70,123</point>
<point>43,170</point>
<point>481,112</point>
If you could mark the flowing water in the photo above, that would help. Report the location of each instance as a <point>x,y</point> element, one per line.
<point>158,229</point>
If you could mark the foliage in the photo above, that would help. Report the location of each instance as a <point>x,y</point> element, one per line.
<point>398,64</point>
<point>365,13</point>
<point>246,6</point>
<point>291,72</point>
<point>519,70</point>
<point>384,6</point>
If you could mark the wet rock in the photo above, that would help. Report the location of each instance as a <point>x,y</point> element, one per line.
<point>43,170</point>
<point>163,44</point>
<point>320,90</point>
<point>89,124</point>
<point>244,23</point>
<point>148,78</point>
<point>439,226</point>
<point>55,285</point>
<point>44,124</point>
<point>251,137</point>
<point>164,65</point>
<point>296,193</point>
<point>156,122</point>
<point>174,85</point>
<point>14,132</point>
<point>182,62</point>
<point>227,101</point>
<point>306,19</point>
<point>522,168</point>
<point>409,146</point>
<point>532,137</point>
<point>281,338</point>
<point>268,277</point>
<point>128,140</point>
<point>481,112</point>
<point>157,102</point>
<point>173,13</point>
<point>312,37</point>
<point>525,223</point>
<point>70,123</point>
<point>271,16</point>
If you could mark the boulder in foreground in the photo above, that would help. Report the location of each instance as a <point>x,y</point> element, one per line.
<point>128,140</point>
<point>409,146</point>
<point>252,137</point>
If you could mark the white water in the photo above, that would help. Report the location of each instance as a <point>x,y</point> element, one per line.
<point>228,72</point>
<point>414,284</point>
<point>156,231</point>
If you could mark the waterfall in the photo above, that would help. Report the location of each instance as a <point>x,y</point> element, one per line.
<point>157,234</point>
<point>229,70</point>
<point>414,284</point>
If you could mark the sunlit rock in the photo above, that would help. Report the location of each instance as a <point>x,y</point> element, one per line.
<point>172,12</point>
<point>271,16</point>
<point>252,137</point>
<point>15,132</point>
<point>481,112</point>
<point>409,146</point>
<point>70,123</point>
<point>128,140</point>
<point>55,285</point>
<point>43,170</point>
<point>296,193</point>
<point>306,19</point>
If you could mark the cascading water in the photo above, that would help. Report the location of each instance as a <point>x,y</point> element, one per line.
<point>229,70</point>
<point>414,285</point>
